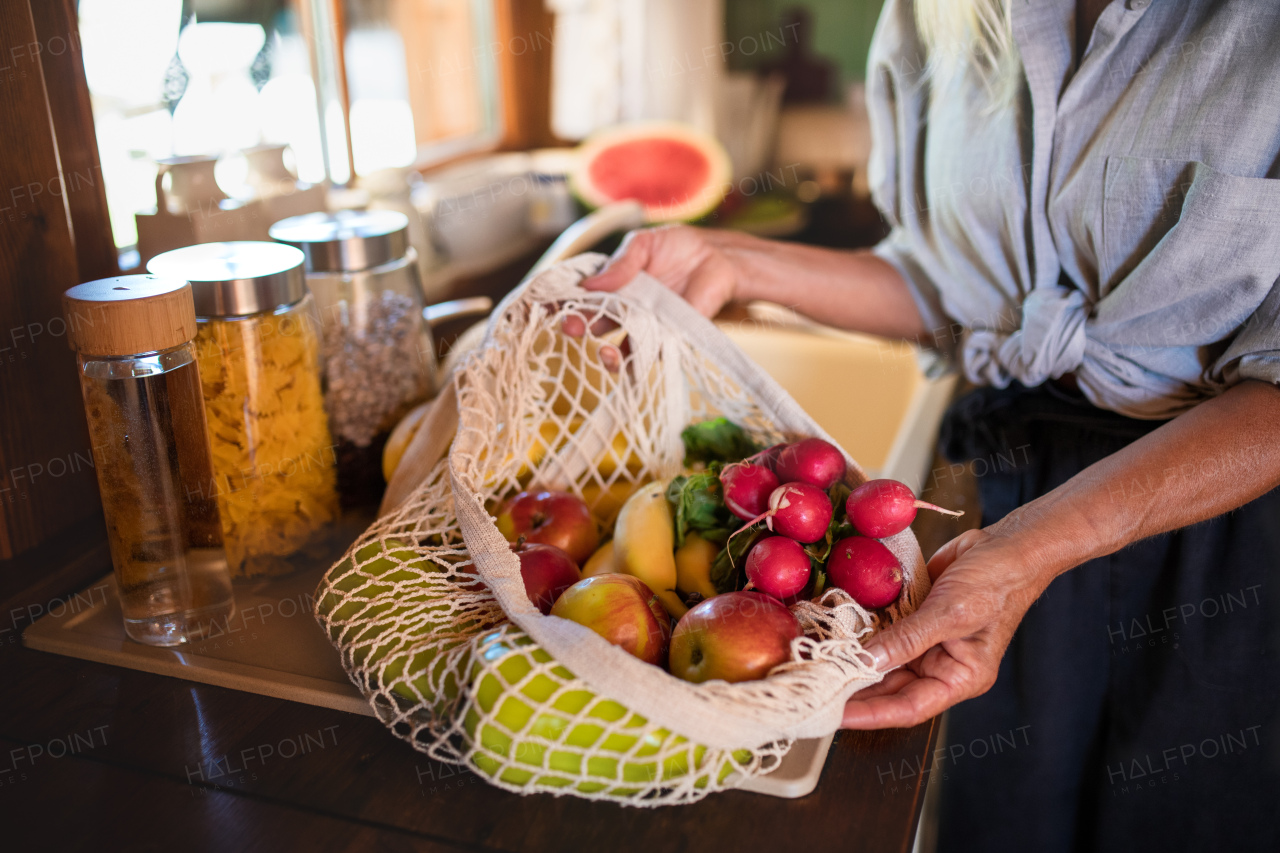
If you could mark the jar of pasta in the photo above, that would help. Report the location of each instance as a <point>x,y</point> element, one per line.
<point>258,345</point>
<point>141,385</point>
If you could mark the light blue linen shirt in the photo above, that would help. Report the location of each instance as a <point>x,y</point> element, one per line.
<point>1120,220</point>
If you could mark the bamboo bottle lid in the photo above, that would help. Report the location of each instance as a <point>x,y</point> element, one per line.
<point>129,314</point>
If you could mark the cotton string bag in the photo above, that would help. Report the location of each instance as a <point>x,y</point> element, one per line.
<point>428,608</point>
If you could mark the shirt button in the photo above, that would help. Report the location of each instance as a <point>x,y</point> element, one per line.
<point>1138,5</point>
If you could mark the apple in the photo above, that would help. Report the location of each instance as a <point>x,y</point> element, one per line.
<point>621,609</point>
<point>738,636</point>
<point>551,518</point>
<point>547,572</point>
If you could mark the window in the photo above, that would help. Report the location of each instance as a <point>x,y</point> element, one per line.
<point>163,86</point>
<point>421,78</point>
<point>373,84</point>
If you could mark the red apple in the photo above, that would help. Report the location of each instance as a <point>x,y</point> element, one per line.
<point>547,572</point>
<point>551,518</point>
<point>738,636</point>
<point>621,609</point>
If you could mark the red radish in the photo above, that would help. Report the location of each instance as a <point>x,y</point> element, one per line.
<point>796,510</point>
<point>800,511</point>
<point>813,461</point>
<point>778,566</point>
<point>867,570</point>
<point>880,508</point>
<point>768,457</point>
<point>747,488</point>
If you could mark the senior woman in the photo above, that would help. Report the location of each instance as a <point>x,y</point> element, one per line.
<point>1085,201</point>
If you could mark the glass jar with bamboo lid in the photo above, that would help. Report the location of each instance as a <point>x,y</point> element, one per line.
<point>141,387</point>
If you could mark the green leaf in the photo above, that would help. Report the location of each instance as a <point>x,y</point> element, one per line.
<point>820,550</point>
<point>819,581</point>
<point>727,570</point>
<point>717,440</point>
<point>698,504</point>
<point>839,528</point>
<point>839,494</point>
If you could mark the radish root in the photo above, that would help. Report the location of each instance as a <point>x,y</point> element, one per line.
<point>923,505</point>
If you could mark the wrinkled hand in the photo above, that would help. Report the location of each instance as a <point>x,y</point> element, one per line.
<point>949,650</point>
<point>690,261</point>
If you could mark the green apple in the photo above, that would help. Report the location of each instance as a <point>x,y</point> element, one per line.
<point>524,729</point>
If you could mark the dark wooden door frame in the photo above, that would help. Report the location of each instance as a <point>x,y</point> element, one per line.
<point>54,233</point>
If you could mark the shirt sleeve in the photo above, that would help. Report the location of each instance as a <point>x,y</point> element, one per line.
<point>1254,352</point>
<point>895,111</point>
<point>896,251</point>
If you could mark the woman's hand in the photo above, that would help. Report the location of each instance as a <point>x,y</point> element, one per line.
<point>854,290</point>
<point>1220,455</point>
<point>690,261</point>
<point>949,650</point>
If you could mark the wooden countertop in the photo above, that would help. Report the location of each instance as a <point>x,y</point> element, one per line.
<point>99,757</point>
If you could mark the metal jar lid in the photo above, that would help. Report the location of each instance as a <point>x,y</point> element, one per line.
<point>235,279</point>
<point>348,240</point>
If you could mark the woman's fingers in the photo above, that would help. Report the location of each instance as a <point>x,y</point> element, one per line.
<point>576,324</point>
<point>891,683</point>
<point>904,641</point>
<point>687,260</point>
<point>632,256</point>
<point>947,613</point>
<point>930,685</point>
<point>920,699</point>
<point>573,325</point>
<point>949,650</point>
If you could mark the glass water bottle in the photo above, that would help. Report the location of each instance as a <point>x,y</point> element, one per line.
<point>142,398</point>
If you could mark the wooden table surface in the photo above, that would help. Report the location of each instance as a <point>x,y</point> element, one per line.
<point>97,757</point>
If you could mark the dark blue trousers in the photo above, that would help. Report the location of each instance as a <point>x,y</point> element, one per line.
<point>1138,706</point>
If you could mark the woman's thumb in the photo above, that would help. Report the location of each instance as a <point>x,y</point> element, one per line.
<point>903,642</point>
<point>630,258</point>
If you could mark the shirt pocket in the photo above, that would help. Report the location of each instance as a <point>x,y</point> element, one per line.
<point>1187,252</point>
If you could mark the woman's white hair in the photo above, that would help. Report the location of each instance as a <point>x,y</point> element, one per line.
<point>977,35</point>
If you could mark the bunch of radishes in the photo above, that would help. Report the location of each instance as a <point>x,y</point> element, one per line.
<point>791,488</point>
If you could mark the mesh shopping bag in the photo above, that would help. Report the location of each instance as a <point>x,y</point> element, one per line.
<point>429,611</point>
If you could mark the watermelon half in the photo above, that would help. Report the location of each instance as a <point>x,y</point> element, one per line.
<point>677,173</point>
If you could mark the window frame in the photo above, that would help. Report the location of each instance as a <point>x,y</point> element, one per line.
<point>520,89</point>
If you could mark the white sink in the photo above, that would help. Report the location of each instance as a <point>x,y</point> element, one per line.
<point>872,395</point>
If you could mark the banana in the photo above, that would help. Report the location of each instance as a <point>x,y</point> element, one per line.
<point>693,565</point>
<point>401,436</point>
<point>605,502</point>
<point>644,544</point>
<point>601,562</point>
<point>582,375</point>
<point>619,451</point>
